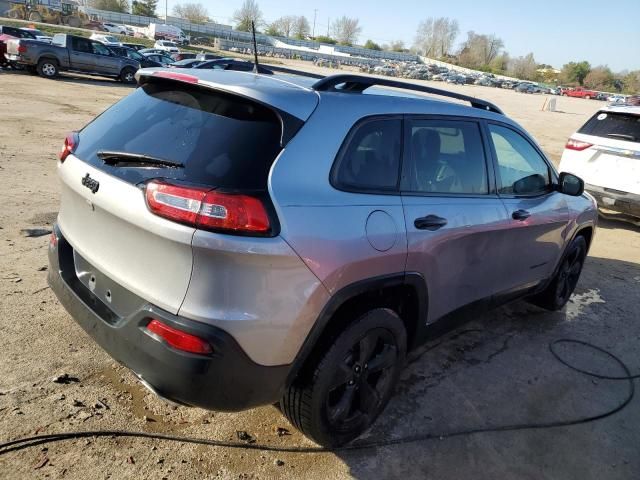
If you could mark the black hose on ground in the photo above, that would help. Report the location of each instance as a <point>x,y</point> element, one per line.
<point>28,442</point>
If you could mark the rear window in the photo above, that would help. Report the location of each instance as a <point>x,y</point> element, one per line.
<point>222,140</point>
<point>621,126</point>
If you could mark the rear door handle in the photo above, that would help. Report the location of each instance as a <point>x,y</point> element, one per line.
<point>520,215</point>
<point>430,222</point>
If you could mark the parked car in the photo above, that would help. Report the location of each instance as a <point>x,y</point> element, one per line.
<point>605,152</point>
<point>182,56</point>
<point>166,46</point>
<point>188,63</point>
<point>8,33</point>
<point>113,28</point>
<point>161,58</point>
<point>231,64</point>
<point>525,88</point>
<point>307,281</point>
<point>73,53</point>
<point>37,34</point>
<point>144,61</point>
<point>127,30</point>
<point>108,40</point>
<point>580,92</point>
<point>617,99</point>
<point>207,56</point>
<point>152,50</point>
<point>135,46</point>
<point>201,41</point>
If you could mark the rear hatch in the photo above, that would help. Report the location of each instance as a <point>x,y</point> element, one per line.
<point>613,160</point>
<point>178,132</point>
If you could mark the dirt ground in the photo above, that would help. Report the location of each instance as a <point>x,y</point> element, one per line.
<point>495,369</point>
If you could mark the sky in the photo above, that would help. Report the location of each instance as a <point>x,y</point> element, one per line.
<point>556,31</point>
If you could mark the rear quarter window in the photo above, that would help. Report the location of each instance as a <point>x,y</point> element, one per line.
<point>222,140</point>
<point>618,125</point>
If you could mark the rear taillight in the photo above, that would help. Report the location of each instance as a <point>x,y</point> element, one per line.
<point>70,145</point>
<point>178,339</point>
<point>573,144</point>
<point>22,48</point>
<point>181,77</point>
<point>207,209</point>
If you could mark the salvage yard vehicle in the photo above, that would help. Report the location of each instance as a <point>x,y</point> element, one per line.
<point>580,92</point>
<point>108,40</point>
<point>72,53</point>
<point>144,61</point>
<point>8,33</point>
<point>605,152</point>
<point>166,46</point>
<point>238,239</point>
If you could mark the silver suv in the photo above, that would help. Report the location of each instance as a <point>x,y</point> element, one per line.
<point>239,240</point>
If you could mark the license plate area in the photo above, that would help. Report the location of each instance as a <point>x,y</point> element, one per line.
<point>114,296</point>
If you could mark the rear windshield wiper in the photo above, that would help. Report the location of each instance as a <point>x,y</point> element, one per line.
<point>623,136</point>
<point>135,160</point>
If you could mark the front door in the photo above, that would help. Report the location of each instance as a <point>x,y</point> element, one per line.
<point>455,220</point>
<point>538,214</point>
<point>105,62</point>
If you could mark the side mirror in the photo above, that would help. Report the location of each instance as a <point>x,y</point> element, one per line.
<point>570,184</point>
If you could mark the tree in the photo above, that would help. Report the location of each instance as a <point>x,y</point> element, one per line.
<point>479,50</point>
<point>435,36</point>
<point>284,25</point>
<point>371,45</point>
<point>346,30</point>
<point>524,68</point>
<point>274,30</point>
<point>144,8</point>
<point>397,46</point>
<point>325,39</point>
<point>301,27</point>
<point>599,78</point>
<point>575,72</point>
<point>194,12</point>
<point>631,82</point>
<point>247,13</point>
<point>120,6</point>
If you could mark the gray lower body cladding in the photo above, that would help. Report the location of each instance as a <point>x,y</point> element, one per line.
<point>227,380</point>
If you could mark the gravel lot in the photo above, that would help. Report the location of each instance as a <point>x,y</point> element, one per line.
<point>495,369</point>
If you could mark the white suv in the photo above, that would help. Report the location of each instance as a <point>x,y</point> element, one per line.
<point>605,153</point>
<point>167,46</point>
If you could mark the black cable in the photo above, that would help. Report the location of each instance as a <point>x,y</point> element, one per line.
<point>28,442</point>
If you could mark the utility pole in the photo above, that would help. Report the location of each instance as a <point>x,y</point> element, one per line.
<point>166,11</point>
<point>328,23</point>
<point>315,13</point>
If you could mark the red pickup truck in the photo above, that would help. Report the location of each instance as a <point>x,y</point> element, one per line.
<point>580,92</point>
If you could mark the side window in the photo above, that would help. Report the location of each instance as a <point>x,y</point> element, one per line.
<point>446,157</point>
<point>81,45</point>
<point>521,169</point>
<point>100,49</point>
<point>371,159</point>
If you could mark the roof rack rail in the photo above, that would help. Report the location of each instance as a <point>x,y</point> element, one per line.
<point>359,83</point>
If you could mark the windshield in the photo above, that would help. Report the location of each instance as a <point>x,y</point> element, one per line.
<point>111,39</point>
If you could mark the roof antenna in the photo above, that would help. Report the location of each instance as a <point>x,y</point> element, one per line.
<point>255,47</point>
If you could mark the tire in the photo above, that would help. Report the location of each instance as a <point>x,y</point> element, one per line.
<point>128,75</point>
<point>556,295</point>
<point>47,68</point>
<point>341,396</point>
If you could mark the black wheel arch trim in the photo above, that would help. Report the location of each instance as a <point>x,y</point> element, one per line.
<point>411,279</point>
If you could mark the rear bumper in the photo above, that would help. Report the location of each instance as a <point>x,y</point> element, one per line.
<point>227,380</point>
<point>615,200</point>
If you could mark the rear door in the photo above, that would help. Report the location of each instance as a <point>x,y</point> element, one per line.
<point>455,221</point>
<point>613,160</point>
<point>221,140</point>
<point>538,214</point>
